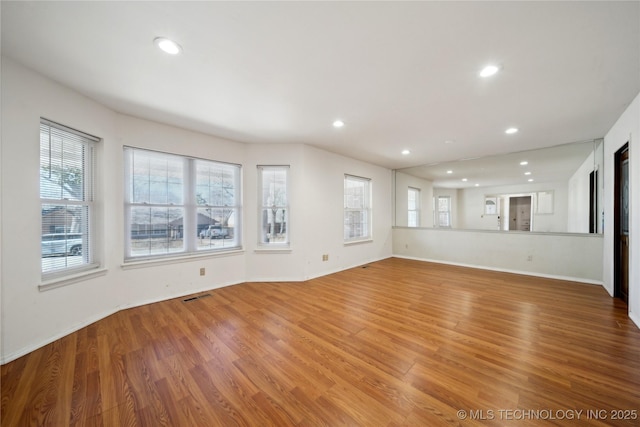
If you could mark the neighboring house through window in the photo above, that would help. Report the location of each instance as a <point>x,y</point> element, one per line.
<point>357,208</point>
<point>179,205</point>
<point>67,159</point>
<point>273,187</point>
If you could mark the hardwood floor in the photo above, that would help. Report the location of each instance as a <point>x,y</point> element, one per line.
<point>394,343</point>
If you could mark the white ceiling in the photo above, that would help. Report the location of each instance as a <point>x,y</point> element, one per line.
<point>543,165</point>
<point>400,74</point>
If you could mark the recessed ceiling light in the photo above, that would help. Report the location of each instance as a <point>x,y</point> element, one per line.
<point>488,71</point>
<point>477,185</point>
<point>464,179</point>
<point>524,163</point>
<point>449,141</point>
<point>511,131</point>
<point>168,46</point>
<point>338,124</point>
<point>449,172</point>
<point>530,180</point>
<point>406,152</point>
<point>527,173</point>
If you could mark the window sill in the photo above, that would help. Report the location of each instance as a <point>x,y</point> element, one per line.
<point>276,250</point>
<point>59,282</point>
<point>128,265</point>
<point>358,242</point>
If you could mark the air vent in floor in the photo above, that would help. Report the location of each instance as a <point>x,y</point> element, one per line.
<point>195,298</point>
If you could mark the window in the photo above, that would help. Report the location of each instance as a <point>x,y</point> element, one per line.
<point>357,208</point>
<point>67,160</point>
<point>444,211</point>
<point>274,205</point>
<point>179,205</point>
<point>413,207</point>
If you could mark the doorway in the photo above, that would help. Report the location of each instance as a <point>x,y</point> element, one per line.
<point>593,202</point>
<point>520,213</point>
<point>621,224</point>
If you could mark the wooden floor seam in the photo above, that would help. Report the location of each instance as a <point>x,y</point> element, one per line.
<point>399,343</point>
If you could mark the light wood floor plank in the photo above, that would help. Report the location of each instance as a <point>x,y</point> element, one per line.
<point>393,343</point>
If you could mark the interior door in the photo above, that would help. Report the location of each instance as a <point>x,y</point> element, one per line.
<point>622,224</point>
<point>520,213</point>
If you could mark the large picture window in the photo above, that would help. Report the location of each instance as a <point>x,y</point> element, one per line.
<point>357,208</point>
<point>67,160</point>
<point>274,205</point>
<point>179,205</point>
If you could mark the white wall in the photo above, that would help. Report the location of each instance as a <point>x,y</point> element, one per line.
<point>402,183</point>
<point>563,256</point>
<point>32,318</point>
<point>323,212</point>
<point>626,129</point>
<point>471,207</point>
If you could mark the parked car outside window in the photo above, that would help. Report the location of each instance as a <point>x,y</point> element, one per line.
<point>61,244</point>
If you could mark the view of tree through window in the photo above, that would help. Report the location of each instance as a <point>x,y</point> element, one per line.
<point>66,195</point>
<point>274,204</point>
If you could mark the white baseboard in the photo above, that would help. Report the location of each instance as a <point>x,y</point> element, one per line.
<point>338,270</point>
<point>6,358</point>
<point>635,319</point>
<point>506,270</point>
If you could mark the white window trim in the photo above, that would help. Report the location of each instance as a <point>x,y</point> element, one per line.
<point>274,246</point>
<point>369,209</point>
<point>64,276</point>
<point>190,210</point>
<point>418,208</point>
<point>437,211</point>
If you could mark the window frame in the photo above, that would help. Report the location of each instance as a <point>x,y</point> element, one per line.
<point>439,212</point>
<point>366,210</point>
<point>193,242</point>
<point>85,200</point>
<point>417,208</point>
<point>262,207</point>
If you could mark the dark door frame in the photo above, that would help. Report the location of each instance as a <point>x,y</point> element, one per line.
<point>617,258</point>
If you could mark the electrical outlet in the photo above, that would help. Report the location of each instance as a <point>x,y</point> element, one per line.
<point>202,271</point>
<point>530,258</point>
<point>325,257</point>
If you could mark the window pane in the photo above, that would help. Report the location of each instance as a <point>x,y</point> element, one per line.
<point>62,166</point>
<point>357,204</point>
<point>413,207</point>
<point>274,187</point>
<point>65,237</point>
<point>273,227</point>
<point>413,219</point>
<point>216,183</point>
<point>66,158</point>
<point>156,178</point>
<point>216,228</point>
<point>156,230</point>
<point>443,204</point>
<point>355,194</point>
